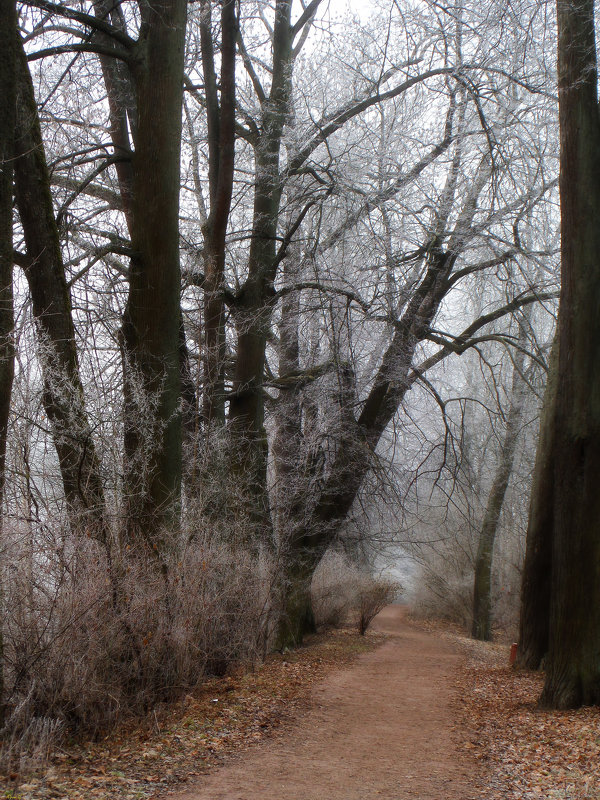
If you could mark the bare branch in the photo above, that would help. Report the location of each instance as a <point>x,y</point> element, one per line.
<point>458,344</point>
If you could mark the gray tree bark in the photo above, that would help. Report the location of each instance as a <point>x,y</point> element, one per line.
<point>482,584</point>
<point>573,663</point>
<point>534,617</point>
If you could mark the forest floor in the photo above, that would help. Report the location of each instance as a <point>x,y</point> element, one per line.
<point>413,710</point>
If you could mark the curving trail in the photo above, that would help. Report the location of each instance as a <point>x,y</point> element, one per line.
<point>383,729</point>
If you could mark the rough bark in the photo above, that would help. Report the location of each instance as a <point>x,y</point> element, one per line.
<point>252,310</point>
<point>287,439</point>
<point>482,584</point>
<point>123,116</point>
<point>8,25</point>
<point>221,148</point>
<point>151,324</point>
<point>63,395</point>
<point>296,618</point>
<point>537,569</point>
<point>573,663</point>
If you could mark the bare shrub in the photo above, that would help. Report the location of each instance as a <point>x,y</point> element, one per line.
<point>95,640</point>
<point>333,590</point>
<point>445,587</point>
<point>342,592</point>
<point>28,740</point>
<point>372,595</point>
<point>445,581</point>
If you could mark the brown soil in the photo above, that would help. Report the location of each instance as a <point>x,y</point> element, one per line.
<point>387,727</point>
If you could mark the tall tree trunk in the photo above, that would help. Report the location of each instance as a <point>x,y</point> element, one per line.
<point>8,27</point>
<point>123,115</point>
<point>63,396</point>
<point>537,569</point>
<point>221,147</point>
<point>151,324</point>
<point>573,664</point>
<point>482,585</point>
<point>287,439</point>
<point>253,308</point>
<point>294,602</point>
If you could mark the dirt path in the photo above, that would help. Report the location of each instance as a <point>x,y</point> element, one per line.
<point>382,729</point>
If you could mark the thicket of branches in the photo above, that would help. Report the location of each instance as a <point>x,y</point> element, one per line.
<point>249,243</point>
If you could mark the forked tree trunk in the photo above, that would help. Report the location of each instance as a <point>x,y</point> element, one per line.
<point>63,396</point>
<point>573,663</point>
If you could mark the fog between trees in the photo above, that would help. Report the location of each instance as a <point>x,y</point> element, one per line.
<point>282,279</point>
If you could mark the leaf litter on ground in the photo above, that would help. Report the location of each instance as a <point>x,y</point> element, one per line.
<point>179,742</point>
<point>526,752</point>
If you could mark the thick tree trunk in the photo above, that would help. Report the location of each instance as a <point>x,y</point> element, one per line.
<point>253,309</point>
<point>63,393</point>
<point>294,601</point>
<point>123,114</point>
<point>287,439</point>
<point>221,146</point>
<point>537,569</point>
<point>482,585</point>
<point>573,663</point>
<point>151,325</point>
<point>8,27</point>
<point>296,618</point>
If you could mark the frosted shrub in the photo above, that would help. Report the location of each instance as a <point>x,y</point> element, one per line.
<point>372,595</point>
<point>342,592</point>
<point>96,640</point>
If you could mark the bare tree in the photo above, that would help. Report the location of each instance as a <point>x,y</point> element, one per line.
<point>482,604</point>
<point>573,666</point>
<point>43,266</point>
<point>8,82</point>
